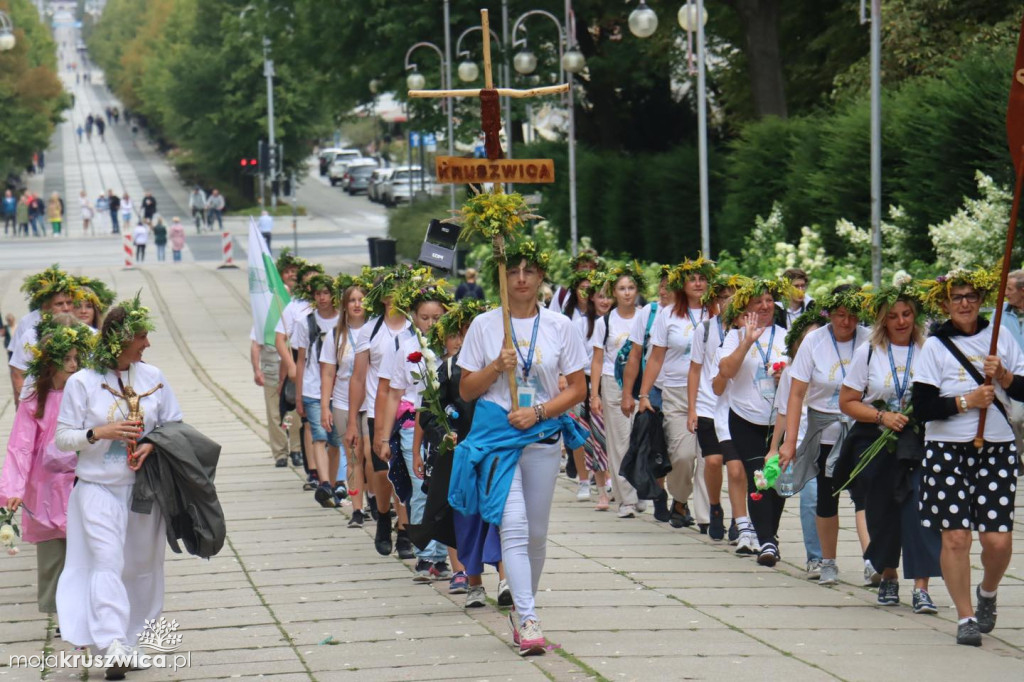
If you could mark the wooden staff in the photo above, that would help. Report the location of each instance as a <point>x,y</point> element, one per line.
<point>979,439</point>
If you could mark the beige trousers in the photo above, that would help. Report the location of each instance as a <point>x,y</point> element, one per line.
<point>616,434</point>
<point>270,365</point>
<point>687,475</point>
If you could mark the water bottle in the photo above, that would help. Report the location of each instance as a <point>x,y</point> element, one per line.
<point>785,486</point>
<point>452,413</point>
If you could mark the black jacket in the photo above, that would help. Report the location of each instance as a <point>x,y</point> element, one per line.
<point>646,460</point>
<point>178,475</point>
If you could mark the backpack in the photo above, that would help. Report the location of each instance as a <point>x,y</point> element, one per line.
<point>316,336</point>
<point>623,355</point>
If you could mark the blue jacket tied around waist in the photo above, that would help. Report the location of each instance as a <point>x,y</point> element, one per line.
<point>485,462</point>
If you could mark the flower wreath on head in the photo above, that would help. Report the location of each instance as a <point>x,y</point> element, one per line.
<point>937,291</point>
<point>579,277</point>
<point>306,289</point>
<point>420,288</point>
<point>633,271</point>
<point>719,284</point>
<point>699,266</point>
<point>517,251</point>
<point>286,259</point>
<point>812,314</point>
<point>55,342</point>
<point>48,283</point>
<point>96,292</point>
<point>755,288</point>
<point>586,256</point>
<point>109,345</point>
<point>384,283</point>
<point>851,298</point>
<point>343,283</point>
<point>456,320</point>
<point>304,268</point>
<point>888,296</point>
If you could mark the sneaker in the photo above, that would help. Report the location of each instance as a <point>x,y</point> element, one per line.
<point>403,545</point>
<point>985,612</point>
<point>626,511</point>
<point>476,597</point>
<point>422,571</point>
<point>296,459</point>
<point>661,513</point>
<point>889,592</point>
<point>382,541</point>
<point>123,656</point>
<point>716,529</point>
<point>374,514</point>
<point>281,463</point>
<point>504,593</point>
<point>829,573</point>
<point>769,555</point>
<point>310,484</point>
<point>357,519</point>
<point>702,528</point>
<point>324,494</point>
<point>923,602</point>
<point>531,639</point>
<point>872,578</point>
<point>583,491</point>
<point>814,569</point>
<point>440,571</point>
<point>514,627</point>
<point>968,633</point>
<point>459,583</point>
<point>747,543</point>
<point>341,490</point>
<point>641,506</point>
<point>734,533</point>
<point>681,517</point>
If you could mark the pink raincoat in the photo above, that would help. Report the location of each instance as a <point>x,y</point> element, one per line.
<point>37,472</point>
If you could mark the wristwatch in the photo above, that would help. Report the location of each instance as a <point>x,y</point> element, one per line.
<point>963,403</point>
<point>89,436</point>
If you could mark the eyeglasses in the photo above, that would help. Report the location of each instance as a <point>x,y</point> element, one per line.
<point>972,297</point>
<point>801,287</point>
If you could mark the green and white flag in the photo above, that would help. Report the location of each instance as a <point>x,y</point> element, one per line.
<point>267,292</point>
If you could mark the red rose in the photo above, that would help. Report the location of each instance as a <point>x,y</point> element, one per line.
<point>778,366</point>
<point>756,497</point>
<point>415,356</point>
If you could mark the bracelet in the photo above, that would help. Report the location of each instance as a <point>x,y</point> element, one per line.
<point>962,402</point>
<point>537,411</point>
<point>878,417</point>
<point>543,410</point>
<point>644,396</point>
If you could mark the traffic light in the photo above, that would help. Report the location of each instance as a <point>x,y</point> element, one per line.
<point>264,155</point>
<point>248,165</point>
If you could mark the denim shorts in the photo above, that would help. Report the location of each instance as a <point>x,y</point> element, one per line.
<point>316,429</point>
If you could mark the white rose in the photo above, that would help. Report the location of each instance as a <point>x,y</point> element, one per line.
<point>7,534</point>
<point>429,355</point>
<point>435,384</point>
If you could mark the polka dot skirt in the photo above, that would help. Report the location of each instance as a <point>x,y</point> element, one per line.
<point>963,488</point>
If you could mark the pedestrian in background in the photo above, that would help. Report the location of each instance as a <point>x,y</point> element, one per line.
<point>266,225</point>
<point>55,213</point>
<point>10,211</point>
<point>160,238</point>
<point>114,206</point>
<point>86,210</point>
<point>177,237</point>
<point>139,237</point>
<point>215,210</point>
<point>22,214</point>
<point>197,204</point>
<point>148,206</point>
<point>127,209</point>
<point>78,131</point>
<point>469,288</point>
<point>36,211</point>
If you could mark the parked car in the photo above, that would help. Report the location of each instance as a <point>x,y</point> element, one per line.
<point>340,162</point>
<point>357,176</point>
<point>404,182</point>
<point>325,157</point>
<point>376,183</point>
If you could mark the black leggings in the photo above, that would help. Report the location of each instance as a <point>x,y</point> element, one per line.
<point>828,501</point>
<point>883,511</point>
<point>751,442</point>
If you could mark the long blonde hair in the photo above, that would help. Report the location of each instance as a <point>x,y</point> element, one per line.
<point>880,336</point>
<point>342,328</point>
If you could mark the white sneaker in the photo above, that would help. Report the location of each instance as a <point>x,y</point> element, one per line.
<point>747,543</point>
<point>531,639</point>
<point>476,597</point>
<point>504,593</point>
<point>121,658</point>
<point>626,511</point>
<point>641,505</point>
<point>583,492</point>
<point>814,569</point>
<point>872,578</point>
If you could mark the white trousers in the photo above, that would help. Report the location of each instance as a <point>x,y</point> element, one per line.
<point>616,435</point>
<point>524,524</point>
<point>113,578</point>
<point>687,475</point>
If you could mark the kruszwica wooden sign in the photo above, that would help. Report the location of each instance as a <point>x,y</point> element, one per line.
<point>451,169</point>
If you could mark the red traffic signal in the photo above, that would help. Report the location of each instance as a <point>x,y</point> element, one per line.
<point>247,162</point>
<point>244,163</point>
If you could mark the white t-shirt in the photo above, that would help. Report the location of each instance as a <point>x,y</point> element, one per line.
<point>300,339</point>
<point>580,325</point>
<point>791,313</point>
<point>752,393</point>
<point>639,330</point>
<point>618,334</point>
<point>818,364</point>
<point>721,413</point>
<point>24,333</point>
<point>329,356</point>
<point>559,351</point>
<point>86,405</point>
<point>381,348</point>
<point>140,235</point>
<point>782,402</point>
<point>937,367</point>
<point>877,376</point>
<point>401,371</point>
<point>676,335</point>
<point>704,354</point>
<point>296,309</point>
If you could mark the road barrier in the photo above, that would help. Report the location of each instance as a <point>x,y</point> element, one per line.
<point>129,251</point>
<point>227,251</point>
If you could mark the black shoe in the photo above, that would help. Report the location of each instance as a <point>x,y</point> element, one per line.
<point>968,633</point>
<point>769,554</point>
<point>734,533</point>
<point>357,519</point>
<point>404,546</point>
<point>374,514</point>
<point>716,529</point>
<point>680,518</point>
<point>310,484</point>
<point>383,540</point>
<point>296,459</point>
<point>341,490</point>
<point>703,528</point>
<point>281,463</point>
<point>661,507</point>
<point>325,496</point>
<point>985,612</point>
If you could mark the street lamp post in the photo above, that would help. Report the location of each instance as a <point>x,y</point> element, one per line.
<point>876,139</point>
<point>7,40</point>
<point>416,81</point>
<point>448,100</point>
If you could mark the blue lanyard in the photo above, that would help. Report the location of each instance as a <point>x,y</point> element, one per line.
<point>835,344</point>
<point>721,331</point>
<point>695,323</point>
<point>766,357</point>
<point>528,360</point>
<point>901,388</point>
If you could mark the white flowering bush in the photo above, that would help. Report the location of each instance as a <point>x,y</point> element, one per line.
<point>976,234</point>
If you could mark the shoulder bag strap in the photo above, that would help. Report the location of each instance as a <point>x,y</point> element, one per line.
<point>972,370</point>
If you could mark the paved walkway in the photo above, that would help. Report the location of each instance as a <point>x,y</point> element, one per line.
<point>297,595</point>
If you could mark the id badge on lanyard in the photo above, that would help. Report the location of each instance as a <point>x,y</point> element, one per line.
<point>766,385</point>
<point>527,395</point>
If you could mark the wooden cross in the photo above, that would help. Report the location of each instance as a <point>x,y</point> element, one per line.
<point>454,169</point>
